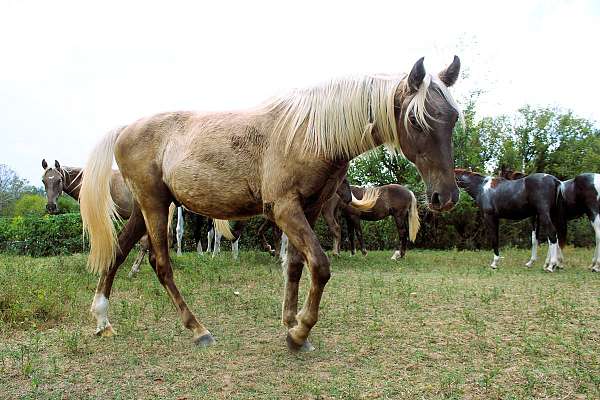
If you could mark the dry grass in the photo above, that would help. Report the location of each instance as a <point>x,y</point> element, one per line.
<point>438,324</point>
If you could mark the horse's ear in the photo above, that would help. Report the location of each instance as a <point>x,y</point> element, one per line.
<point>416,76</point>
<point>56,164</point>
<point>450,74</point>
<point>44,164</point>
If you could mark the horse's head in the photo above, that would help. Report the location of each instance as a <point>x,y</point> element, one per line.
<point>425,118</point>
<point>344,191</point>
<point>53,179</point>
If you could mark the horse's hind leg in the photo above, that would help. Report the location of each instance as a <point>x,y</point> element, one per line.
<point>359,234</point>
<point>534,242</point>
<point>492,225</point>
<point>552,260</point>
<point>596,260</point>
<point>155,215</point>
<point>290,216</point>
<point>133,230</point>
<point>402,236</point>
<point>144,246</point>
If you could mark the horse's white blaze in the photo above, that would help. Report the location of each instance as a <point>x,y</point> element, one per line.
<point>396,255</point>
<point>534,246</point>
<point>179,229</point>
<point>495,262</point>
<point>100,310</point>
<point>235,249</point>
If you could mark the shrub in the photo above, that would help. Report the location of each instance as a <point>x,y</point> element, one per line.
<point>30,205</point>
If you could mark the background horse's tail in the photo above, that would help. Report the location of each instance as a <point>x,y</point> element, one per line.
<point>561,217</point>
<point>222,226</point>
<point>368,200</point>
<point>414,224</point>
<point>98,211</point>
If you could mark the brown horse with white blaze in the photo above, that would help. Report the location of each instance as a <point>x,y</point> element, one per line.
<point>283,159</point>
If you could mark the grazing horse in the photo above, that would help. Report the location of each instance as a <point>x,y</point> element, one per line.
<point>537,196</point>
<point>59,179</point>
<point>581,197</point>
<point>283,159</point>
<point>392,200</point>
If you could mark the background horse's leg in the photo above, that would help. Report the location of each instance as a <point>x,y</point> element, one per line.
<point>548,227</point>
<point>283,247</point>
<point>534,242</point>
<point>332,223</point>
<point>263,239</point>
<point>359,234</point>
<point>210,236</point>
<point>179,229</point>
<point>492,224</point>
<point>400,221</point>
<point>350,227</point>
<point>155,215</point>
<point>596,259</point>
<point>198,222</point>
<point>235,248</point>
<point>144,245</point>
<point>133,230</point>
<point>217,243</point>
<point>290,216</point>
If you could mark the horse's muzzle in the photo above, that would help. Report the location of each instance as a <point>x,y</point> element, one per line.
<point>443,202</point>
<point>51,208</point>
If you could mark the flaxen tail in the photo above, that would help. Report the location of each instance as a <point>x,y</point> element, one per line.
<point>222,226</point>
<point>413,218</point>
<point>368,201</point>
<point>98,211</point>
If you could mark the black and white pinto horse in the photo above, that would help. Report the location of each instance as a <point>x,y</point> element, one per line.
<point>581,196</point>
<point>537,195</point>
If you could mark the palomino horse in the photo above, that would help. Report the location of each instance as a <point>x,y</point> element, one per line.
<point>581,196</point>
<point>59,179</point>
<point>537,195</point>
<point>283,159</point>
<point>394,200</point>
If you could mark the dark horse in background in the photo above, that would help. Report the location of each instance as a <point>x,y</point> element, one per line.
<point>581,196</point>
<point>392,200</point>
<point>537,196</point>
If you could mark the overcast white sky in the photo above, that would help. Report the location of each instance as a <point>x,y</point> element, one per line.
<point>72,70</point>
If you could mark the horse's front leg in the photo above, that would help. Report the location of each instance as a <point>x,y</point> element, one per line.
<point>552,261</point>
<point>290,217</point>
<point>492,225</point>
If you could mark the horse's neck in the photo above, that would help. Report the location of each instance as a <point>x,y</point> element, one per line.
<point>72,183</point>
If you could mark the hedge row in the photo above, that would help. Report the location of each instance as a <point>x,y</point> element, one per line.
<point>462,228</point>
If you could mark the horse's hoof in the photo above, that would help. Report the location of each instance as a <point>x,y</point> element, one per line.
<point>298,348</point>
<point>529,264</point>
<point>595,268</point>
<point>364,253</point>
<point>205,340</point>
<point>549,268</point>
<point>107,331</point>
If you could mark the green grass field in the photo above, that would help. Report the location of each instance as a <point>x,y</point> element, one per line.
<point>438,324</point>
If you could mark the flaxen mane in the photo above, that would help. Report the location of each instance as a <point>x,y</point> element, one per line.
<point>337,118</point>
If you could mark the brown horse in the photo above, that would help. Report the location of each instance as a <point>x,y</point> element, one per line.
<point>59,179</point>
<point>392,200</point>
<point>283,159</point>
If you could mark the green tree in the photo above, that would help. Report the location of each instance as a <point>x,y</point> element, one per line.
<point>30,205</point>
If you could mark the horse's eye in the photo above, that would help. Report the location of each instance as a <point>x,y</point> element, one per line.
<point>413,121</point>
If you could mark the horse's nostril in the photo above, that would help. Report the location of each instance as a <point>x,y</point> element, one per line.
<point>435,199</point>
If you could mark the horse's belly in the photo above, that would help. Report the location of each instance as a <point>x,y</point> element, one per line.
<point>215,190</point>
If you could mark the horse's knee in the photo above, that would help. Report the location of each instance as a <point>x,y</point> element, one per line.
<point>321,269</point>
